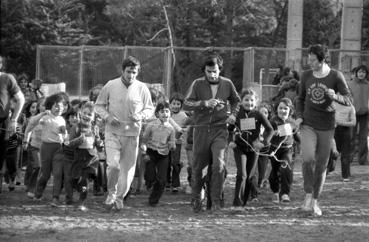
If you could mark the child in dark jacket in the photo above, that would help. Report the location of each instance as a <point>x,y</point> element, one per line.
<point>84,138</point>
<point>281,175</point>
<point>248,144</point>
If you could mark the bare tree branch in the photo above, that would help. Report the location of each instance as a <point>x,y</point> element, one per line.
<point>170,35</point>
<point>157,33</point>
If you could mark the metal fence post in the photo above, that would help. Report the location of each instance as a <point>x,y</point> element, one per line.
<point>38,54</point>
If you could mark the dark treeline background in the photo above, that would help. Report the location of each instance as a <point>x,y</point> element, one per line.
<point>194,23</point>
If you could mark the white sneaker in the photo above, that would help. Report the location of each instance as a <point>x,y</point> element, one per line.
<point>275,198</point>
<point>119,204</point>
<point>316,210</point>
<point>306,205</point>
<point>110,199</point>
<point>83,208</point>
<point>285,198</point>
<point>30,195</point>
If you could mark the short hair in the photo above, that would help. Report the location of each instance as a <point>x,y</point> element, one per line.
<point>362,67</point>
<point>71,112</point>
<point>23,76</point>
<point>212,60</point>
<point>178,97</point>
<point>89,105</point>
<point>91,94</point>
<point>161,106</point>
<point>287,102</point>
<point>266,105</point>
<point>248,91</point>
<point>130,61</point>
<point>55,98</point>
<point>321,52</point>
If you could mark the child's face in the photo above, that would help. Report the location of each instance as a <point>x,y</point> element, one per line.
<point>361,74</point>
<point>264,111</point>
<point>175,106</point>
<point>87,116</point>
<point>33,109</point>
<point>57,109</point>
<point>22,83</point>
<point>249,102</point>
<point>164,115</point>
<point>73,120</point>
<point>283,111</point>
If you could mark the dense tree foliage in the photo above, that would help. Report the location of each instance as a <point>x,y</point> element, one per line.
<point>195,23</point>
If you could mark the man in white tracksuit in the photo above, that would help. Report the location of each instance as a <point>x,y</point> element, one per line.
<point>123,103</point>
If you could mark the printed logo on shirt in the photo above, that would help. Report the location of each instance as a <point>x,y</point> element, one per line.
<point>316,92</point>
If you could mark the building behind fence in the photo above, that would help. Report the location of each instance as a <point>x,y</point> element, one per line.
<point>83,67</point>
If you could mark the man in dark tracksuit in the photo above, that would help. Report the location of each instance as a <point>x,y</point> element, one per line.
<point>208,97</point>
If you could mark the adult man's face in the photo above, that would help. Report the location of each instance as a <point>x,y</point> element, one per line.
<point>130,73</point>
<point>212,73</point>
<point>314,63</point>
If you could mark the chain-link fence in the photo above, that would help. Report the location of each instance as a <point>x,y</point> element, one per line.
<point>83,67</point>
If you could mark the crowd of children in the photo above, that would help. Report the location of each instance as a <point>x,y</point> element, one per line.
<point>65,140</point>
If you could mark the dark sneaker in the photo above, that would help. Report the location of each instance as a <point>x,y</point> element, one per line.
<point>197,206</point>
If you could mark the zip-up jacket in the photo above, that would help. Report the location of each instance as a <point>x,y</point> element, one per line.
<point>200,91</point>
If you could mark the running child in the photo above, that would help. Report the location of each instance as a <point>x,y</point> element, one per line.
<point>159,139</point>
<point>247,139</point>
<point>280,179</point>
<point>84,138</point>
<point>53,135</point>
<point>175,165</point>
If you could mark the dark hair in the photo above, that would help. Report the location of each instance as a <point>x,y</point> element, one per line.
<point>161,106</point>
<point>286,71</point>
<point>55,98</point>
<point>23,76</point>
<point>362,67</point>
<point>27,107</point>
<point>71,112</point>
<point>296,75</point>
<point>212,60</point>
<point>75,102</point>
<point>37,83</point>
<point>130,61</point>
<point>178,97</point>
<point>91,95</point>
<point>321,52</point>
<point>287,102</point>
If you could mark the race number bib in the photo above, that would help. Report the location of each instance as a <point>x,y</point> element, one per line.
<point>285,129</point>
<point>247,124</point>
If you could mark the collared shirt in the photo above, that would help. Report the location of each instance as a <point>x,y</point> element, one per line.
<point>159,137</point>
<point>121,101</point>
